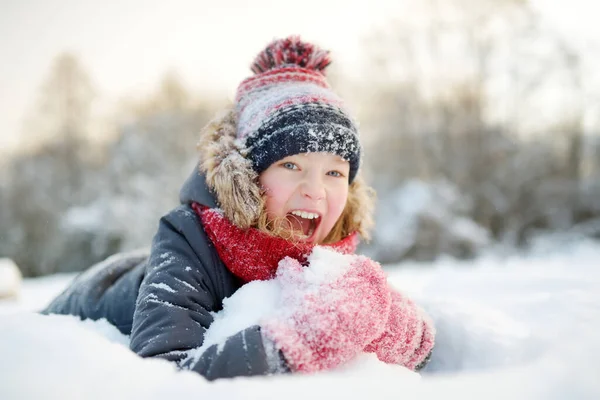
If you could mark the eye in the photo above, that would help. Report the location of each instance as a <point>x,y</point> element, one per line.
<point>336,174</point>
<point>289,165</point>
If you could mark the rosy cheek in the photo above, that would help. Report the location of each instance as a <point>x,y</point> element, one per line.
<point>275,203</point>
<point>340,204</point>
<point>271,206</point>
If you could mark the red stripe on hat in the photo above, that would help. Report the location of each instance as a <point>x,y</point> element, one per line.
<point>281,78</point>
<point>303,100</point>
<point>260,81</point>
<point>284,70</point>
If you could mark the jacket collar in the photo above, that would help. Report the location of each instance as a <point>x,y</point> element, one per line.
<point>196,190</point>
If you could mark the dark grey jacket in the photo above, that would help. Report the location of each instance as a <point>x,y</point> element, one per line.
<point>164,299</point>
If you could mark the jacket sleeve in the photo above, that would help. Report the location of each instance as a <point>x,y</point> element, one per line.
<point>176,299</point>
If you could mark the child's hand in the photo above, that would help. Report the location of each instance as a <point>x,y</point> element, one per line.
<point>408,337</point>
<point>327,322</point>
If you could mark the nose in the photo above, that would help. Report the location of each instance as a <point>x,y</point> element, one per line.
<point>313,188</point>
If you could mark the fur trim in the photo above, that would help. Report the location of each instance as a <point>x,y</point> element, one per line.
<point>235,184</point>
<point>228,174</point>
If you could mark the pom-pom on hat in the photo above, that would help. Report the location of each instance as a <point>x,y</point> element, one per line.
<point>288,108</point>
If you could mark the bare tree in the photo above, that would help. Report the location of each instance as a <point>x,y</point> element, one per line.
<point>436,111</point>
<point>51,173</point>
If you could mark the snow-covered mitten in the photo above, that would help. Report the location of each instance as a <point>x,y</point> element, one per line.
<point>328,316</point>
<point>408,337</point>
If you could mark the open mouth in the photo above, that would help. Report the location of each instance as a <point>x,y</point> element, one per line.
<point>304,223</point>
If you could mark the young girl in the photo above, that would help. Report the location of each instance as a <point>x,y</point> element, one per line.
<point>277,176</point>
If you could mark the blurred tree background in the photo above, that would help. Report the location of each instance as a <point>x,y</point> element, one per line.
<point>70,200</point>
<point>460,142</point>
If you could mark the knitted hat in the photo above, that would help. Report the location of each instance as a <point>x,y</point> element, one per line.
<point>288,108</point>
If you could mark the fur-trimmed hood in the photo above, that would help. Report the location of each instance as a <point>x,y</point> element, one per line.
<point>225,179</point>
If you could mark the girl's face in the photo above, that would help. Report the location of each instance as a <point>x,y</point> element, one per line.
<point>306,192</point>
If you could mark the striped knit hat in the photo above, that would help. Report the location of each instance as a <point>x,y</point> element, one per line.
<point>288,108</point>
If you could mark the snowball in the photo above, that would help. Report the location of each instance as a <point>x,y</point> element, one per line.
<point>259,300</point>
<point>326,265</point>
<point>10,278</point>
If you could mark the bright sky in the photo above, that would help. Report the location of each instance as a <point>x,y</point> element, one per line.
<point>127,45</point>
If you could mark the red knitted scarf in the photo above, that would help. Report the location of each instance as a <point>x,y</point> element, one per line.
<point>254,255</point>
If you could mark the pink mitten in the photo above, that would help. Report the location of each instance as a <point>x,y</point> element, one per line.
<point>408,337</point>
<point>328,315</point>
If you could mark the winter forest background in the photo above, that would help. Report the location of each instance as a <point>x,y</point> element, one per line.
<point>480,124</point>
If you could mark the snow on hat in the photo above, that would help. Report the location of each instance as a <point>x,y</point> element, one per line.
<point>288,108</point>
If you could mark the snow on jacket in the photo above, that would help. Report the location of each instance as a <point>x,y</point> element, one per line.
<point>164,299</point>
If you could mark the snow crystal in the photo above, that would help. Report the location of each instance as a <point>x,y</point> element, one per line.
<point>186,284</point>
<point>167,259</point>
<point>163,286</point>
<point>152,299</point>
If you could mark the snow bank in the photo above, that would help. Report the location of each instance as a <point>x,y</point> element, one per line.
<point>60,357</point>
<point>520,328</point>
<point>423,220</point>
<point>35,293</point>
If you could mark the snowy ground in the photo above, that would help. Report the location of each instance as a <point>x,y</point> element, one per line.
<point>519,328</point>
